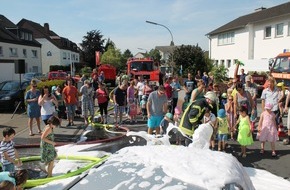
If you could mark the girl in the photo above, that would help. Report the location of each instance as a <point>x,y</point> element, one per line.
<point>210,118</point>
<point>47,144</point>
<point>244,136</point>
<point>229,107</point>
<point>267,129</point>
<point>132,111</point>
<point>48,102</point>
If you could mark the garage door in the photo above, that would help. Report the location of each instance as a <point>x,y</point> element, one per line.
<point>7,72</point>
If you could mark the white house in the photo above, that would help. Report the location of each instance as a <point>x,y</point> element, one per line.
<point>17,43</point>
<point>55,50</point>
<point>260,35</point>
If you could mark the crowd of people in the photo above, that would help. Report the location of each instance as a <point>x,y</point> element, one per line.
<point>231,111</point>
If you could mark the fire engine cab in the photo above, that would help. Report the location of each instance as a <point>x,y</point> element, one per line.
<point>144,67</point>
<point>280,68</point>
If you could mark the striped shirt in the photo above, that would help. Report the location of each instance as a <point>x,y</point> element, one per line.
<point>8,147</point>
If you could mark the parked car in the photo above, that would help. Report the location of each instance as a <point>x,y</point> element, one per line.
<point>29,76</point>
<point>57,75</point>
<point>12,93</point>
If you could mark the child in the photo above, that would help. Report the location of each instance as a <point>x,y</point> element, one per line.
<point>177,116</point>
<point>267,129</point>
<point>143,107</point>
<point>9,155</point>
<point>229,108</point>
<point>132,111</point>
<point>244,136</point>
<point>222,125</point>
<point>210,118</point>
<point>48,152</point>
<point>18,179</point>
<point>165,122</point>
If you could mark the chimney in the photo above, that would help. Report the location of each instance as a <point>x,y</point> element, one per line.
<point>260,9</point>
<point>46,27</point>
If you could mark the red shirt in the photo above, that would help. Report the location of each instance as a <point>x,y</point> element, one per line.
<point>101,96</point>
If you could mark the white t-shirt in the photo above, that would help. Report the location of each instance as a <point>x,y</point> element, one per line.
<point>140,87</point>
<point>211,118</point>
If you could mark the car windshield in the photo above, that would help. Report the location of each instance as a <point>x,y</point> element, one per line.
<point>282,64</point>
<point>10,86</point>
<point>142,66</point>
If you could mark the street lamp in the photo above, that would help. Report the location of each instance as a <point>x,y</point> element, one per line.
<point>150,22</point>
<point>143,49</point>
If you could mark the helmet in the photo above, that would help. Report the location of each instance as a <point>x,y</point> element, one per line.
<point>169,116</point>
<point>211,95</point>
<point>144,97</point>
<point>224,95</point>
<point>53,88</point>
<point>177,110</point>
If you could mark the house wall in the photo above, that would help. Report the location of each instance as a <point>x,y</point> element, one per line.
<point>50,54</point>
<point>251,44</point>
<point>32,64</point>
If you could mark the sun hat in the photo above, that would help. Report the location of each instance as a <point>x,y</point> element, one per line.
<point>280,84</point>
<point>268,106</point>
<point>221,113</point>
<point>169,116</point>
<point>210,95</point>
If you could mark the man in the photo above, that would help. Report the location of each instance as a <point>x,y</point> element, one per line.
<point>193,114</point>
<point>156,109</point>
<point>243,76</point>
<point>251,87</point>
<point>70,97</point>
<point>188,87</point>
<point>119,99</point>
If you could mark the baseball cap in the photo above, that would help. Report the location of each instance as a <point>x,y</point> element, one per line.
<point>221,113</point>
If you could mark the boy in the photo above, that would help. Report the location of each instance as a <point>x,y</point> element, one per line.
<point>165,122</point>
<point>222,125</point>
<point>9,155</point>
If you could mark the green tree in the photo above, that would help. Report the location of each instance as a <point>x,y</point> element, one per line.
<point>91,43</point>
<point>113,57</point>
<point>191,59</point>
<point>127,54</point>
<point>155,54</point>
<point>219,73</point>
<point>109,43</point>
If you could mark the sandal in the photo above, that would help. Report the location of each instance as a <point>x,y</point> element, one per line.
<point>31,134</point>
<point>262,151</point>
<point>274,154</point>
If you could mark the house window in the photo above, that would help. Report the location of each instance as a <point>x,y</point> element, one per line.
<point>279,29</point>
<point>22,35</point>
<point>77,58</point>
<point>228,63</point>
<point>34,53</point>
<point>30,37</point>
<point>73,57</point>
<point>1,51</point>
<point>64,55</point>
<point>24,52</point>
<point>226,38</point>
<point>222,62</point>
<point>48,53</point>
<point>13,52</point>
<point>268,32</point>
<point>68,55</point>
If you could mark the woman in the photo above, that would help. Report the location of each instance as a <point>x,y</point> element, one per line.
<point>199,92</point>
<point>102,95</point>
<point>57,92</point>
<point>147,89</point>
<point>48,102</point>
<point>243,99</point>
<point>87,99</point>
<point>33,109</point>
<point>47,144</point>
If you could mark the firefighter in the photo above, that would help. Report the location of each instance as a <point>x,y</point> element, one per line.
<point>194,113</point>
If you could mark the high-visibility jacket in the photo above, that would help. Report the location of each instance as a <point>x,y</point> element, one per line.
<point>192,116</point>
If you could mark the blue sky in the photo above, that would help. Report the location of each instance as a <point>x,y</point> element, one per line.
<point>123,21</point>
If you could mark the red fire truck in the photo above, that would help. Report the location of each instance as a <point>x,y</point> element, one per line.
<point>144,67</point>
<point>280,68</point>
